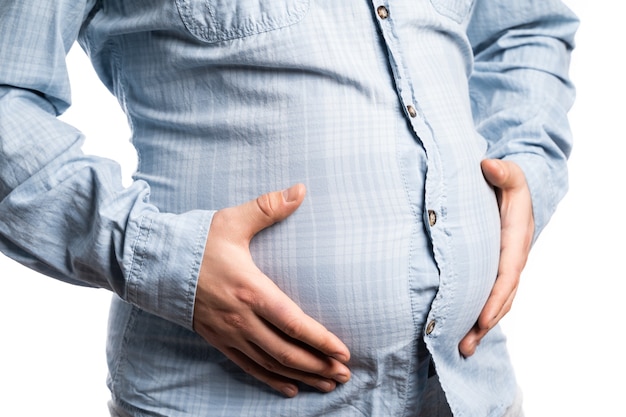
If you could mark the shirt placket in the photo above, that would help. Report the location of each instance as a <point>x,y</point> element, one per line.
<point>434,197</point>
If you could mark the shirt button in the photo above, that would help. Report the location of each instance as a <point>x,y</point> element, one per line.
<point>430,327</point>
<point>382,11</point>
<point>411,110</point>
<point>432,218</point>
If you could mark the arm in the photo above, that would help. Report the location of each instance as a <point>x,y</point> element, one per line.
<point>521,94</point>
<point>67,215</point>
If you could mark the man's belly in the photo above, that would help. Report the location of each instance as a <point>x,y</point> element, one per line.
<point>356,255</point>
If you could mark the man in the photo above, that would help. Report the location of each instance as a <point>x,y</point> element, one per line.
<point>390,258</point>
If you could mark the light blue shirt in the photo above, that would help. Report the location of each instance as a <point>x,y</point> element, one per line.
<point>384,110</point>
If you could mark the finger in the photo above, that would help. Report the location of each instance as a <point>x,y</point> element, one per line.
<point>280,311</point>
<point>516,237</point>
<point>499,303</point>
<point>273,369</point>
<point>467,346</point>
<point>273,353</point>
<point>272,356</point>
<point>493,171</point>
<point>287,351</point>
<point>282,384</point>
<point>505,287</point>
<point>249,218</point>
<point>269,305</point>
<point>503,174</point>
<point>470,342</point>
<point>517,230</point>
<point>260,307</point>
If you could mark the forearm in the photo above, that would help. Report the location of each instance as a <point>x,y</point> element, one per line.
<point>67,214</point>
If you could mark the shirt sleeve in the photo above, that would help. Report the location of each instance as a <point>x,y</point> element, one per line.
<point>67,214</point>
<point>521,91</point>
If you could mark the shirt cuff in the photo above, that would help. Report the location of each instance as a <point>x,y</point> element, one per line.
<point>166,255</point>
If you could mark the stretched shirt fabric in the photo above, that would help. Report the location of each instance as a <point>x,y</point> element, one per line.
<point>384,111</point>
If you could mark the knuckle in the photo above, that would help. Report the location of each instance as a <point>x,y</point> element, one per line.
<point>293,328</point>
<point>267,206</point>
<point>247,296</point>
<point>235,320</point>
<point>249,369</point>
<point>484,324</point>
<point>270,365</point>
<point>286,358</point>
<point>506,309</point>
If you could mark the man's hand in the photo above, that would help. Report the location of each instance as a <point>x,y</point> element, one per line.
<point>241,312</point>
<point>516,238</point>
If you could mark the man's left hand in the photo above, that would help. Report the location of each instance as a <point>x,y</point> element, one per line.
<point>517,229</point>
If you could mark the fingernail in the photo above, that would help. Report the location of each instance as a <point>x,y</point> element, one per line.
<point>289,391</point>
<point>341,357</point>
<point>325,386</point>
<point>342,378</point>
<point>290,194</point>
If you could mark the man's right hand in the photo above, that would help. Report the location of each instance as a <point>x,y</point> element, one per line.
<point>241,312</point>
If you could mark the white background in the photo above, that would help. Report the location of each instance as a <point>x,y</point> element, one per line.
<point>564,331</point>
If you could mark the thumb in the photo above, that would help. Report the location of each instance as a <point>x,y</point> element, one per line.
<point>494,172</point>
<point>503,174</point>
<point>269,208</point>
